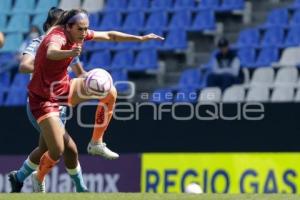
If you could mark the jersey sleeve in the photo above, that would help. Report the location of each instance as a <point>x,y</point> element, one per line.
<point>90,35</point>
<point>56,39</point>
<point>75,61</point>
<point>32,47</point>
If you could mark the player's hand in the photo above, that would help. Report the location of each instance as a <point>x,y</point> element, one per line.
<point>151,36</point>
<point>76,51</point>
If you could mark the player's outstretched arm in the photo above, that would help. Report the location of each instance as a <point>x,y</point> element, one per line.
<point>117,36</point>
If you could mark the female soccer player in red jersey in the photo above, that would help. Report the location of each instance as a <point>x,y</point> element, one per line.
<point>51,86</point>
<point>17,178</point>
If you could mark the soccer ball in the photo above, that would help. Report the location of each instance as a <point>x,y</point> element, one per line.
<point>193,188</point>
<point>98,82</point>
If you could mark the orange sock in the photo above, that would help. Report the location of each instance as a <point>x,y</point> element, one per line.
<point>103,115</point>
<point>46,164</point>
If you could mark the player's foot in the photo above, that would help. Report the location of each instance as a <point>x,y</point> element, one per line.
<point>15,184</point>
<point>101,150</point>
<point>37,185</point>
<point>85,191</point>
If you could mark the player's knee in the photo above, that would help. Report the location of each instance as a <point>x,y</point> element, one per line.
<point>57,152</point>
<point>113,93</point>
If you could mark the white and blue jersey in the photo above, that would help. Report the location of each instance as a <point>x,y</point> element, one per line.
<point>33,46</point>
<point>31,49</point>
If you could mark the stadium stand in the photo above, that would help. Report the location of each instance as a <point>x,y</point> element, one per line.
<point>69,4</point>
<point>210,94</point>
<point>189,27</point>
<point>235,93</point>
<point>286,77</point>
<point>259,93</point>
<point>263,77</point>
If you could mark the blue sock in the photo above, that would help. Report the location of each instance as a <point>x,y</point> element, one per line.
<point>27,168</point>
<point>77,178</point>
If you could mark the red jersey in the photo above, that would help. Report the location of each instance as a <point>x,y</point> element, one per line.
<point>50,77</point>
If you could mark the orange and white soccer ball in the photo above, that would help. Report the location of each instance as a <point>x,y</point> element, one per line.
<point>98,82</point>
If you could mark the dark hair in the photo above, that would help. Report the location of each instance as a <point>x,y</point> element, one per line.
<point>53,15</point>
<point>223,42</point>
<point>64,19</point>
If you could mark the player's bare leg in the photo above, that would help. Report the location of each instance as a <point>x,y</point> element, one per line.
<point>53,132</point>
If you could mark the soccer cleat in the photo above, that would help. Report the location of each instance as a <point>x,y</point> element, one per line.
<point>101,150</point>
<point>85,191</point>
<point>36,184</point>
<point>16,185</point>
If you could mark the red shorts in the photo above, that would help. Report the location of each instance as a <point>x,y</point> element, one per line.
<point>42,108</point>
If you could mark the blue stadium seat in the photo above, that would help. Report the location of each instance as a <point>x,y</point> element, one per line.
<point>12,42</point>
<point>296,4</point>
<point>277,17</point>
<point>5,79</point>
<point>5,6</point>
<point>123,59</point>
<point>113,5</point>
<point>120,75</point>
<point>99,59</point>
<point>190,79</point>
<point>157,20</point>
<point>6,57</point>
<point>89,46</point>
<point>176,39</point>
<point>146,60</point>
<point>184,4</point>
<point>186,95</point>
<point>229,5</point>
<point>3,21</point>
<point>207,67</point>
<point>295,19</point>
<point>20,81</point>
<point>273,37</point>
<point>94,19</point>
<point>180,19</point>
<point>247,56</point>
<point>44,5</point>
<point>293,37</point>
<point>138,5</point>
<point>209,4</point>
<point>267,56</point>
<point>22,6</point>
<point>134,20</point>
<point>159,5</point>
<point>204,20</point>
<point>18,23</point>
<point>162,95</point>
<point>127,45</point>
<point>111,20</point>
<point>248,38</point>
<point>16,97</point>
<point>38,20</point>
<point>103,45</point>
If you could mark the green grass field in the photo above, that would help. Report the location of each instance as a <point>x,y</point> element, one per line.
<point>138,196</point>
